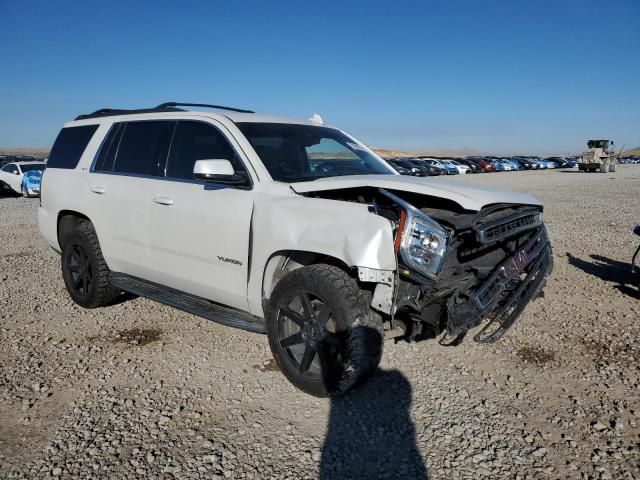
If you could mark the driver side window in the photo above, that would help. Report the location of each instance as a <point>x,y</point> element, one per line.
<point>197,141</point>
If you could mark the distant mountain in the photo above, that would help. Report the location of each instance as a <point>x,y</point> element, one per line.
<point>465,152</point>
<point>630,152</point>
<point>35,152</point>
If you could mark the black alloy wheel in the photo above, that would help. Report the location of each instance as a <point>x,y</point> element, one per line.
<point>322,331</point>
<point>78,265</point>
<point>307,332</point>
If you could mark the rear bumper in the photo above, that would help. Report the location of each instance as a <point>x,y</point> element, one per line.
<point>48,226</point>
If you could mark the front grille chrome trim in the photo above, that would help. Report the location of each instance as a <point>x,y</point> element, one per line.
<point>509,226</point>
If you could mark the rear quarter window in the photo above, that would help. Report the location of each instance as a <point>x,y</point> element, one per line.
<point>69,146</point>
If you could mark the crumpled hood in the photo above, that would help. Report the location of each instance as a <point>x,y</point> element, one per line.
<point>469,197</point>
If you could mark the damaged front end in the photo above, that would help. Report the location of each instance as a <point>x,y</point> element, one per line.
<point>459,268</point>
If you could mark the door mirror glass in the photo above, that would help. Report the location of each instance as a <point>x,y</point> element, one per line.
<point>219,171</point>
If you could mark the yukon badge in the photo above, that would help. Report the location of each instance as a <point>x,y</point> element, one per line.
<point>229,260</point>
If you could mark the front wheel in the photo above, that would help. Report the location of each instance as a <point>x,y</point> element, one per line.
<point>322,332</point>
<point>25,192</point>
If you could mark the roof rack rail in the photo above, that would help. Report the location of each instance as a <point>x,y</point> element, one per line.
<point>109,112</point>
<point>207,105</point>
<point>163,107</point>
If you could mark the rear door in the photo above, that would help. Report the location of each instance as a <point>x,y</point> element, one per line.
<point>200,232</point>
<point>132,155</point>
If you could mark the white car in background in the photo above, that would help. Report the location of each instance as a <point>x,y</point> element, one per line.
<point>462,169</point>
<point>11,174</point>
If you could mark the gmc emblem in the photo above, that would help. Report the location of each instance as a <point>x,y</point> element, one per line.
<point>516,263</point>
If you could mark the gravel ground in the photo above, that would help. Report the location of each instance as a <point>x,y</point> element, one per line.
<point>141,390</point>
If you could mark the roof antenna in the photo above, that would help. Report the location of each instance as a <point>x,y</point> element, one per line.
<point>316,118</point>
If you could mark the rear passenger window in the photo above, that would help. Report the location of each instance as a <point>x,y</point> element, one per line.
<point>197,141</point>
<point>108,149</point>
<point>70,145</point>
<point>143,148</point>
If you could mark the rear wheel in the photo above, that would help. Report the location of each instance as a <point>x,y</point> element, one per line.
<point>613,166</point>
<point>84,270</point>
<point>322,332</point>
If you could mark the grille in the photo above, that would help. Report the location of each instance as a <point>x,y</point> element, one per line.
<point>509,271</point>
<point>506,227</point>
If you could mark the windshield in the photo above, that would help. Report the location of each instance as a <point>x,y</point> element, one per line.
<point>297,153</point>
<point>31,167</point>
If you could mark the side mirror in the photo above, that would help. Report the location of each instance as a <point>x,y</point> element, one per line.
<point>218,171</point>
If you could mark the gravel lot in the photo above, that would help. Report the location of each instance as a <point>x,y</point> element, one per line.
<point>141,390</point>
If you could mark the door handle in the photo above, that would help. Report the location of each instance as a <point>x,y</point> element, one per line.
<point>163,200</point>
<point>98,190</point>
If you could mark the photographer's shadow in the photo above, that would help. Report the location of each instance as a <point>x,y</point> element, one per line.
<point>370,433</point>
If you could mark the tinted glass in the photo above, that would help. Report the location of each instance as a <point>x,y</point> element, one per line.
<point>197,141</point>
<point>28,168</point>
<point>294,153</point>
<point>143,147</point>
<point>70,145</point>
<point>108,149</point>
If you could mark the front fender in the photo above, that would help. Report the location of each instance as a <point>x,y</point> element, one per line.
<point>346,231</point>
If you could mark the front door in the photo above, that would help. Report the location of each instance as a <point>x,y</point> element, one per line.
<point>199,233</point>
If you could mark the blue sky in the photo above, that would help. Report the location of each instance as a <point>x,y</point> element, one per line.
<point>499,76</point>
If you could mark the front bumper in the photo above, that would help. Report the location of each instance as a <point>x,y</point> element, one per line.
<point>517,280</point>
<point>502,296</point>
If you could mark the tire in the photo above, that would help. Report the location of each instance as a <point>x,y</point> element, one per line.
<point>338,345</point>
<point>25,192</point>
<point>604,168</point>
<point>84,270</point>
<point>613,166</point>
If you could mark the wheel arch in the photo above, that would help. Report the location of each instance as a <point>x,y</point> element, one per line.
<point>284,261</point>
<point>68,220</point>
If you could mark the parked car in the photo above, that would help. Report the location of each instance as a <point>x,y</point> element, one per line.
<point>30,185</point>
<point>416,170</point>
<point>222,215</point>
<point>527,163</point>
<point>557,162</point>
<point>515,165</point>
<point>462,169</point>
<point>448,169</point>
<point>473,167</point>
<point>397,166</point>
<point>432,170</point>
<point>502,166</point>
<point>543,164</point>
<point>485,164</point>
<point>11,174</point>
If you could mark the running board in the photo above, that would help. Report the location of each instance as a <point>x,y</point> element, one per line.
<point>186,302</point>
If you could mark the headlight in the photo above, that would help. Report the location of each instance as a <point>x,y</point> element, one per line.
<point>423,242</point>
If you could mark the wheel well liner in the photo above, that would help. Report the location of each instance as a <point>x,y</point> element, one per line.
<point>284,261</point>
<point>68,220</point>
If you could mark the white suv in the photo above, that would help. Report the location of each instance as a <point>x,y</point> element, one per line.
<point>286,227</point>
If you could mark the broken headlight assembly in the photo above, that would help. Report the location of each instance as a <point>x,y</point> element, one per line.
<point>420,241</point>
<point>424,244</point>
